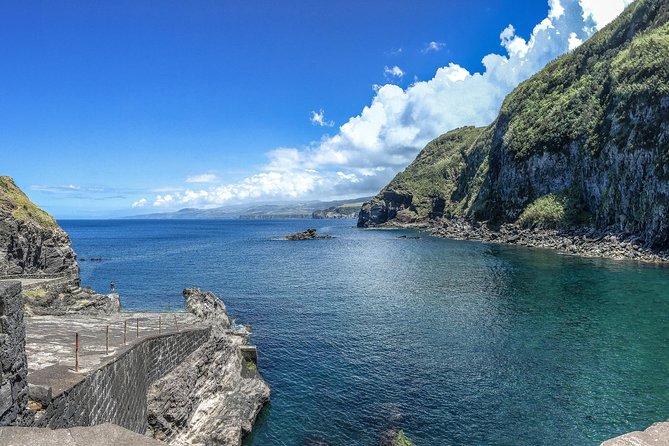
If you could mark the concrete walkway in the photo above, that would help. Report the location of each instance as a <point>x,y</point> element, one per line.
<point>50,340</point>
<point>50,343</point>
<point>102,435</point>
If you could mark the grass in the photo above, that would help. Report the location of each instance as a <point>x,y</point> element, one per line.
<point>545,212</point>
<point>39,292</point>
<point>15,201</point>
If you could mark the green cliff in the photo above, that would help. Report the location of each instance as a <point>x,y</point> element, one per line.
<point>584,142</point>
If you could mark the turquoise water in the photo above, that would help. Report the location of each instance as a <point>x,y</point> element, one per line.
<point>458,343</point>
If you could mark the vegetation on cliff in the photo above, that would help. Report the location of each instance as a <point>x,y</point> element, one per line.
<point>584,141</point>
<point>14,201</point>
<point>31,242</point>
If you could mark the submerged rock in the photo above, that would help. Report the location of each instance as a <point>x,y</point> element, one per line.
<point>395,438</point>
<point>309,234</point>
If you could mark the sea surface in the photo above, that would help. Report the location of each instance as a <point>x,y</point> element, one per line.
<point>457,343</point>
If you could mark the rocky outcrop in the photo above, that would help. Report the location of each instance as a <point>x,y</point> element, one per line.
<point>655,435</point>
<point>36,250</point>
<point>68,298</point>
<point>207,306</point>
<point>582,144</point>
<point>214,396</point>
<point>309,234</point>
<point>31,242</point>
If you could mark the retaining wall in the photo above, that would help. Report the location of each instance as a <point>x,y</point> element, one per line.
<point>117,391</point>
<point>13,365</point>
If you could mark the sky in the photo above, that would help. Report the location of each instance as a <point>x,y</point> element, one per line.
<point>121,108</point>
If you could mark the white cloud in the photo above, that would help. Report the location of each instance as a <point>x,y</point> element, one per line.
<point>203,178</point>
<point>602,12</point>
<point>393,72</point>
<point>574,42</point>
<point>162,200</point>
<point>318,118</point>
<point>433,47</point>
<point>139,203</point>
<point>370,148</point>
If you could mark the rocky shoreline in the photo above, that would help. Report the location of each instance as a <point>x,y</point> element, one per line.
<point>584,241</point>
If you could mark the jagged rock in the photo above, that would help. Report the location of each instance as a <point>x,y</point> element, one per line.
<point>214,396</point>
<point>309,234</point>
<point>206,305</point>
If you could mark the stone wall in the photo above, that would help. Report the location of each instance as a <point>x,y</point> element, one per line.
<point>117,391</point>
<point>13,365</point>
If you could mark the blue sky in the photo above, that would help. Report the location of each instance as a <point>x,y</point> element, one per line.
<point>110,105</point>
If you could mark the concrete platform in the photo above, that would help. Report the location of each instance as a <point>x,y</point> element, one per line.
<point>102,435</point>
<point>50,342</point>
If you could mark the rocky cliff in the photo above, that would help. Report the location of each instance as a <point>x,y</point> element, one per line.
<point>36,250</point>
<point>583,143</point>
<point>31,242</point>
<point>214,396</point>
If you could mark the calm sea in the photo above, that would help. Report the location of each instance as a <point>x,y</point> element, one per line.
<point>458,343</point>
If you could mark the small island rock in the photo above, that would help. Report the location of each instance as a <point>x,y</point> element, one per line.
<point>309,234</point>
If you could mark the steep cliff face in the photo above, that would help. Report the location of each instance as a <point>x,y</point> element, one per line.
<point>584,142</point>
<point>31,242</point>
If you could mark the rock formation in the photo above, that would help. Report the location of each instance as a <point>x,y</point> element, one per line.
<point>31,242</point>
<point>66,298</point>
<point>214,396</point>
<point>309,234</point>
<point>583,143</point>
<point>34,247</point>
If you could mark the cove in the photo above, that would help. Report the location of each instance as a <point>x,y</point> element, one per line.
<point>456,342</point>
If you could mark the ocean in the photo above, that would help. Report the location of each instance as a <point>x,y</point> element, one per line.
<point>455,342</point>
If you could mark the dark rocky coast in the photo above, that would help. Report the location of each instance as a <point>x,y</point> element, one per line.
<point>586,242</point>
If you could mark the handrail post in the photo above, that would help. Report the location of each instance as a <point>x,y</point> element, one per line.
<point>107,341</point>
<point>125,332</point>
<point>138,327</point>
<point>76,352</point>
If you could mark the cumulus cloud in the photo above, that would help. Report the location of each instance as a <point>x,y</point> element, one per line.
<point>433,47</point>
<point>370,148</point>
<point>602,12</point>
<point>203,178</point>
<point>140,203</point>
<point>393,72</point>
<point>318,118</point>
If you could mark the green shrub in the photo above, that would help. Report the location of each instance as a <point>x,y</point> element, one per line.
<point>548,211</point>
